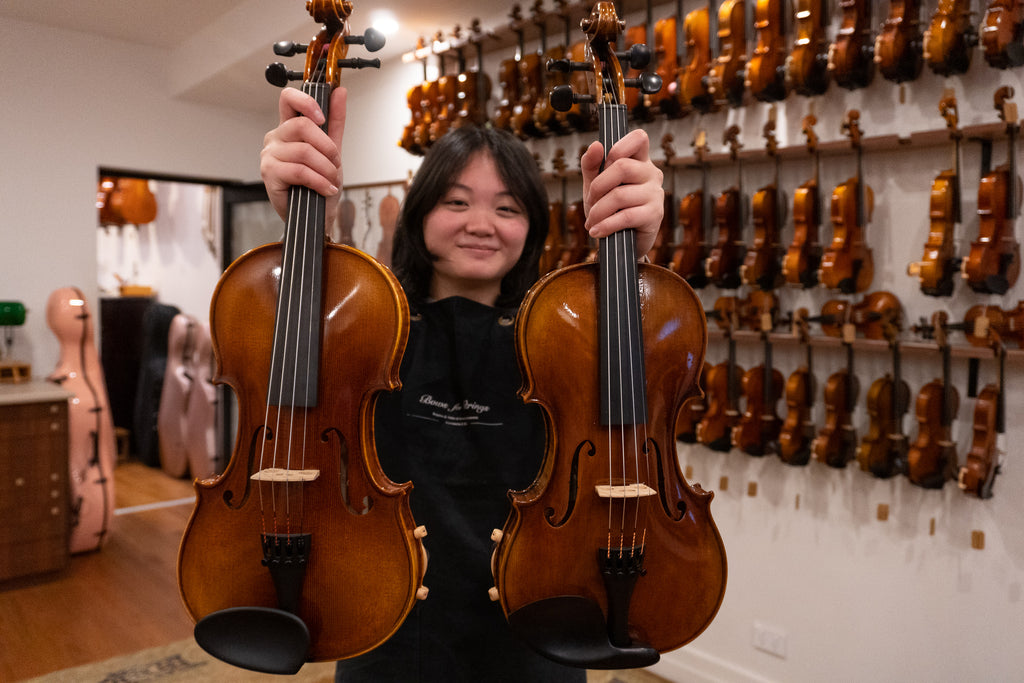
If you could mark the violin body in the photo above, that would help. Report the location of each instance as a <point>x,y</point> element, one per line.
<point>472,90</point>
<point>722,413</point>
<point>836,442</point>
<point>363,519</point>
<point>950,38</point>
<point>766,70</point>
<point>993,262</point>
<point>1002,31</point>
<point>508,78</point>
<point>938,264</point>
<point>851,59</point>
<point>803,256</point>
<point>797,431</point>
<point>725,79</point>
<point>762,265</point>
<point>666,65</point>
<point>561,512</point>
<point>807,70</point>
<point>898,44</point>
<point>726,256</point>
<point>693,81</point>
<point>531,89</point>
<point>689,254</point>
<point>758,429</point>
<point>931,459</point>
<point>981,465</point>
<point>883,449</point>
<point>846,264</point>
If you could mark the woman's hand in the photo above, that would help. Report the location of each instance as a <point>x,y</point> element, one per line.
<point>299,152</point>
<point>628,193</point>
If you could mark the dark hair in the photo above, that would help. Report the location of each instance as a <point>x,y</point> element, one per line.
<point>410,260</point>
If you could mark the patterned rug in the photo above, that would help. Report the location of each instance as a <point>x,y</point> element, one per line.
<point>186,662</point>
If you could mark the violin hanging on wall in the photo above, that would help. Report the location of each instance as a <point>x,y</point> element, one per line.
<point>762,264</point>
<point>993,263</point>
<point>931,459</point>
<point>883,450</point>
<point>798,428</point>
<point>303,549</point>
<point>984,459</point>
<point>846,264</point>
<point>803,256</point>
<point>851,60</point>
<point>634,565</point>
<point>766,71</point>
<point>807,71</point>
<point>726,256</point>
<point>695,211</point>
<point>1002,33</point>
<point>950,38</point>
<point>939,265</point>
<point>898,43</point>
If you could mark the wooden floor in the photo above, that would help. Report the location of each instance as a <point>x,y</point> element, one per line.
<point>114,601</point>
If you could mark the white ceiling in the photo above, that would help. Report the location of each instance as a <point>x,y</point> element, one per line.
<point>217,50</point>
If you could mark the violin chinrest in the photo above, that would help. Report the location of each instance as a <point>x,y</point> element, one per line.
<point>261,639</point>
<point>571,630</point>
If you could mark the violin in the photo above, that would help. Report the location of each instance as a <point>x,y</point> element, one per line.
<point>766,71</point>
<point>898,43</point>
<point>695,218</point>
<point>508,76</point>
<point>983,461</point>
<point>303,550</point>
<point>472,86</point>
<point>762,264</point>
<point>723,385</point>
<point>981,322</point>
<point>846,263</point>
<point>1002,33</point>
<point>132,201</point>
<point>950,38</point>
<point>868,317</point>
<point>531,86</point>
<point>725,80</point>
<point>851,56</point>
<point>993,263</point>
<point>883,450</point>
<point>931,459</point>
<point>803,256</point>
<point>444,101</point>
<point>757,431</point>
<point>634,564</point>
<point>836,442</point>
<point>722,266</point>
<point>699,27</point>
<point>937,267</point>
<point>546,119</point>
<point>797,431</point>
<point>807,71</point>
<point>669,45</point>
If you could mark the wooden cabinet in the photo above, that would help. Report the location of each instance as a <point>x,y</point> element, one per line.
<point>34,489</point>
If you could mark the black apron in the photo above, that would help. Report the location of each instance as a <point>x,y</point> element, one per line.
<point>459,431</point>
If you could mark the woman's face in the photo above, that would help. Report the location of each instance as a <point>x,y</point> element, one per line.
<point>476,234</point>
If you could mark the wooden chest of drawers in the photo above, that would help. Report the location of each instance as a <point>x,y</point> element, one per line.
<point>34,488</point>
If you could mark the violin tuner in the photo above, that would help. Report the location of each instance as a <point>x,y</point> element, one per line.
<point>372,39</point>
<point>287,48</point>
<point>278,74</point>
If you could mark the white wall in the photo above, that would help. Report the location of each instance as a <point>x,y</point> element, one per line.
<point>855,597</point>
<point>71,104</point>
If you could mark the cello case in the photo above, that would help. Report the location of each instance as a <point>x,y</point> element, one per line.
<point>91,443</point>
<point>175,394</point>
<point>201,409</point>
<point>156,325</point>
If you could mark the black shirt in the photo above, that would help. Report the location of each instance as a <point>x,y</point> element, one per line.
<point>459,431</point>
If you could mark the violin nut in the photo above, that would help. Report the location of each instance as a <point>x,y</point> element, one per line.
<point>492,593</point>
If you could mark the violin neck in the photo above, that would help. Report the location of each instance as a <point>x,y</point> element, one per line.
<point>295,363</point>
<point>623,383</point>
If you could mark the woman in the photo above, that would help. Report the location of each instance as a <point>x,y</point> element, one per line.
<point>466,250</point>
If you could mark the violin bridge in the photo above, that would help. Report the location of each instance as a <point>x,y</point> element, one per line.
<point>278,474</point>
<point>636,490</point>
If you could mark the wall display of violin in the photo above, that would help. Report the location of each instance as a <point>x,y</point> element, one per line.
<point>992,265</point>
<point>303,550</point>
<point>847,264</point>
<point>725,257</point>
<point>635,563</point>
<point>939,265</point>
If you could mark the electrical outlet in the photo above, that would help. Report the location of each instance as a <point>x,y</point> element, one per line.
<point>769,639</point>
